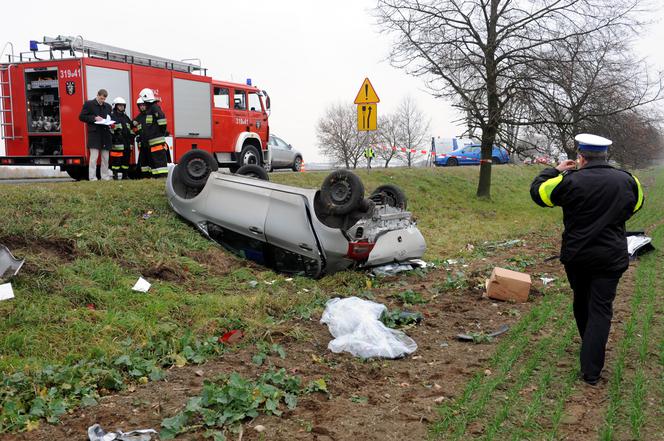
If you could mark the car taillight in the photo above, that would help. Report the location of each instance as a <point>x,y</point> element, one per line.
<point>359,250</point>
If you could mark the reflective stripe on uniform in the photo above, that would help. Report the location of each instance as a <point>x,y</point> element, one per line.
<point>547,188</point>
<point>161,122</point>
<point>155,141</point>
<point>145,168</point>
<point>115,154</point>
<point>157,148</point>
<point>160,170</point>
<point>639,199</point>
<point>118,147</point>
<point>148,119</point>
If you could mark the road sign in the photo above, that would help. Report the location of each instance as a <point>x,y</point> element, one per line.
<point>367,94</point>
<point>367,117</point>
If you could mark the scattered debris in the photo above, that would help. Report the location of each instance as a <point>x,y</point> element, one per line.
<point>356,327</point>
<point>547,280</point>
<point>470,247</point>
<point>444,345</point>
<point>253,283</point>
<point>638,243</point>
<point>506,284</point>
<point>393,268</point>
<point>477,337</point>
<point>451,261</point>
<point>141,285</point>
<point>504,244</point>
<point>259,428</point>
<point>96,433</point>
<point>231,337</point>
<point>9,265</point>
<point>147,215</point>
<point>398,319</point>
<point>6,291</point>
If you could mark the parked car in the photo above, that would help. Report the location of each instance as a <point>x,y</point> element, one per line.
<point>283,155</point>
<point>294,230</point>
<point>470,155</point>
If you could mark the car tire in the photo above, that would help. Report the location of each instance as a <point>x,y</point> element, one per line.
<point>253,171</point>
<point>195,167</point>
<point>341,192</point>
<point>452,162</point>
<point>78,172</point>
<point>496,160</point>
<point>297,164</point>
<point>392,195</point>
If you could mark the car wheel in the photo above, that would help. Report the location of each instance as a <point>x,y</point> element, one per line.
<point>452,162</point>
<point>297,164</point>
<point>391,195</point>
<point>495,160</point>
<point>253,171</point>
<point>341,192</point>
<point>194,168</point>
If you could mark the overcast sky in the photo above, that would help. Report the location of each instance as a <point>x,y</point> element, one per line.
<point>306,54</point>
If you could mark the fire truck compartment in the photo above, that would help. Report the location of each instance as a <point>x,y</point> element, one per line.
<point>192,108</point>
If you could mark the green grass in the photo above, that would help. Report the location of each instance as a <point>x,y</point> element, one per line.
<point>86,244</point>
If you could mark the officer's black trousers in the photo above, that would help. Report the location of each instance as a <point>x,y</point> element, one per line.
<point>593,309</point>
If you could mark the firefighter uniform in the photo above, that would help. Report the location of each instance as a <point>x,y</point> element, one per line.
<point>144,160</point>
<point>123,140</point>
<point>596,201</point>
<point>369,155</point>
<point>153,134</point>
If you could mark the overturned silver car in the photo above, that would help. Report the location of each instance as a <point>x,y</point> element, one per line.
<point>294,230</point>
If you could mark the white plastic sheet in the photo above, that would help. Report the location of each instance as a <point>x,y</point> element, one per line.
<point>354,323</point>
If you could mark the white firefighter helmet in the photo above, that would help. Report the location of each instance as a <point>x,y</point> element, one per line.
<point>139,100</point>
<point>119,100</point>
<point>147,95</point>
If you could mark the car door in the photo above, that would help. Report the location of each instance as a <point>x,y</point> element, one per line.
<point>475,154</point>
<point>285,153</point>
<point>239,205</point>
<point>288,227</point>
<point>278,159</point>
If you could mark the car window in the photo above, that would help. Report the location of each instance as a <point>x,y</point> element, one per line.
<point>238,244</point>
<point>281,142</point>
<point>477,149</point>
<point>289,262</point>
<point>222,98</point>
<point>271,141</point>
<point>255,102</point>
<point>239,100</point>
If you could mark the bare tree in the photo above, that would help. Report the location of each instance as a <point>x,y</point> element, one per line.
<point>585,80</point>
<point>477,53</point>
<point>414,129</point>
<point>388,137</point>
<point>338,137</point>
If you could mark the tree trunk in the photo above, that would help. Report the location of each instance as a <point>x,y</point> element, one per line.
<point>484,186</point>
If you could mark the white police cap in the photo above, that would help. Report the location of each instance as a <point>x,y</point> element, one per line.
<point>592,142</point>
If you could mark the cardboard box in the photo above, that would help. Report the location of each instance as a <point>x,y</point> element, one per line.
<point>506,284</point>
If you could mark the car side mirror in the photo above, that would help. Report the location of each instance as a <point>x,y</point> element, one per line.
<point>290,147</point>
<point>267,102</point>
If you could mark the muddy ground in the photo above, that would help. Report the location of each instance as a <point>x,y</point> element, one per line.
<point>368,400</point>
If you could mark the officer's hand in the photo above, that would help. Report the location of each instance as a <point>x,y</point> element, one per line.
<point>567,164</point>
<point>98,118</point>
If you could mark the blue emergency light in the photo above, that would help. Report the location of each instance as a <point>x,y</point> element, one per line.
<point>248,81</point>
<point>33,45</point>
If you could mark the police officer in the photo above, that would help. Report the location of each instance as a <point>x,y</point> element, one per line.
<point>154,132</point>
<point>596,200</point>
<point>369,155</point>
<point>123,139</point>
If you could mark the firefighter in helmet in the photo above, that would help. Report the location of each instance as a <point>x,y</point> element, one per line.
<point>153,133</point>
<point>123,139</point>
<point>143,162</point>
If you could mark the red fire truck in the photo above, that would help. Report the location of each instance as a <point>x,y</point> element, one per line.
<point>42,92</point>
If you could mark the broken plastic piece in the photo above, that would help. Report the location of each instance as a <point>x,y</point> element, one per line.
<point>547,280</point>
<point>638,243</point>
<point>141,285</point>
<point>231,336</point>
<point>9,265</point>
<point>393,268</point>
<point>96,433</point>
<point>501,330</point>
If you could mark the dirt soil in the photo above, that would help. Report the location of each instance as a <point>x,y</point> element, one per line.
<point>369,400</point>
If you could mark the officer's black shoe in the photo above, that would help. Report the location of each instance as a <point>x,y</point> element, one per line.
<point>590,380</point>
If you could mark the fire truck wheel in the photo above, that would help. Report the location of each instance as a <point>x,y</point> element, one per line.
<point>194,168</point>
<point>341,192</point>
<point>79,173</point>
<point>249,156</point>
<point>253,171</point>
<point>390,195</point>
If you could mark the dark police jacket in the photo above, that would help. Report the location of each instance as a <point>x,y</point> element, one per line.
<point>597,200</point>
<point>99,136</point>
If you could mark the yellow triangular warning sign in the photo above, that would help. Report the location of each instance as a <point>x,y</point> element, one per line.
<point>367,94</point>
